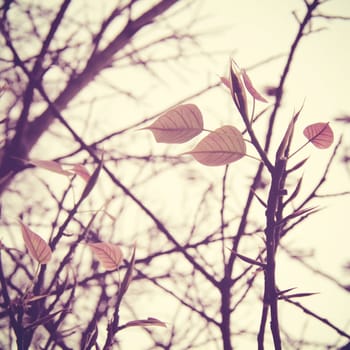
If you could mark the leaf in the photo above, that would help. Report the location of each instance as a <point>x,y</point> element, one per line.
<point>237,89</point>
<point>178,125</point>
<point>108,254</point>
<point>33,298</point>
<point>226,82</point>
<point>80,170</point>
<point>297,166</point>
<point>249,260</point>
<point>222,146</point>
<point>50,165</point>
<point>281,292</point>
<point>296,295</point>
<point>92,180</point>
<point>300,212</point>
<point>283,149</point>
<point>45,319</point>
<point>319,134</point>
<point>248,84</point>
<point>295,192</point>
<point>150,321</point>
<point>37,247</point>
<point>128,276</point>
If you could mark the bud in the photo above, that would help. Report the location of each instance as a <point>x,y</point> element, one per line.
<point>238,89</point>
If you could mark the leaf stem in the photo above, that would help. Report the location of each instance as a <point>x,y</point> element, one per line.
<point>299,149</point>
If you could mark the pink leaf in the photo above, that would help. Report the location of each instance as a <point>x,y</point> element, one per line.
<point>178,125</point>
<point>108,254</point>
<point>50,165</point>
<point>319,134</point>
<point>248,84</point>
<point>226,82</point>
<point>150,321</point>
<point>80,170</point>
<point>37,247</point>
<point>222,146</point>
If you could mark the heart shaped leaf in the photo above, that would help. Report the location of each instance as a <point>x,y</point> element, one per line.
<point>319,134</point>
<point>37,247</point>
<point>178,125</point>
<point>108,254</point>
<point>222,146</point>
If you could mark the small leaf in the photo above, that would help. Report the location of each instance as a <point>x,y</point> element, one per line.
<point>297,166</point>
<point>33,298</point>
<point>286,291</point>
<point>319,134</point>
<point>249,260</point>
<point>92,180</point>
<point>283,149</point>
<point>45,319</point>
<point>37,247</point>
<point>237,89</point>
<point>178,125</point>
<point>80,170</point>
<point>222,146</point>
<point>108,254</point>
<point>150,321</point>
<point>300,212</point>
<point>226,82</point>
<point>295,192</point>
<point>296,295</point>
<point>50,165</point>
<point>343,119</point>
<point>124,285</point>
<point>248,84</point>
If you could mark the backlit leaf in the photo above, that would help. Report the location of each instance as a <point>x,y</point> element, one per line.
<point>222,146</point>
<point>150,321</point>
<point>319,134</point>
<point>50,165</point>
<point>108,254</point>
<point>37,247</point>
<point>178,125</point>
<point>226,82</point>
<point>248,84</point>
<point>80,170</point>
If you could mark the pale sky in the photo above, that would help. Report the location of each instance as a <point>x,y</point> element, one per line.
<point>253,31</point>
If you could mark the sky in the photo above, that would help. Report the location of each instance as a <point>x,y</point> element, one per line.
<point>252,31</point>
